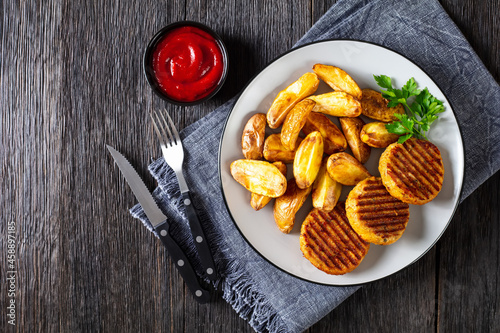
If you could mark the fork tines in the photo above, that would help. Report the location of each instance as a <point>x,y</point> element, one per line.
<point>166,131</point>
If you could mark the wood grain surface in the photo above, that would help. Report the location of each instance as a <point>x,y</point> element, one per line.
<point>71,81</point>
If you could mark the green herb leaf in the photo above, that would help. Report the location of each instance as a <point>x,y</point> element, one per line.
<point>403,138</point>
<point>396,127</point>
<point>410,88</point>
<point>383,81</point>
<point>420,113</point>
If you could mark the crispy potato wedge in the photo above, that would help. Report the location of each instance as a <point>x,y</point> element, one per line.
<point>294,122</point>
<point>252,139</point>
<point>285,101</point>
<point>325,191</point>
<point>308,160</point>
<point>287,206</point>
<point>333,139</point>
<point>258,201</point>
<point>374,106</point>
<point>337,103</point>
<point>376,135</point>
<point>338,79</point>
<point>275,151</point>
<point>259,177</point>
<point>352,130</point>
<point>345,169</point>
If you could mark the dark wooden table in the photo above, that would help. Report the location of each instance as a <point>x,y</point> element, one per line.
<point>71,81</point>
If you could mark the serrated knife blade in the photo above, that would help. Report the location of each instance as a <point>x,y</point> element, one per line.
<point>137,186</point>
<point>160,224</point>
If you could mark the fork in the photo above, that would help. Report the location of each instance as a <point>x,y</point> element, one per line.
<point>173,153</point>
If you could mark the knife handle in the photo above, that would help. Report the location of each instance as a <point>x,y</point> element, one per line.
<point>182,263</point>
<point>206,258</point>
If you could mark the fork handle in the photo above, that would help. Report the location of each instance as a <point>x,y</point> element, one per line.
<point>206,258</point>
<point>182,263</point>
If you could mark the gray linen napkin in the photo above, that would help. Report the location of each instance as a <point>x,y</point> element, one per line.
<point>268,298</point>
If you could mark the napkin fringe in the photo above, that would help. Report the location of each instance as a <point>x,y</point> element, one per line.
<point>249,303</point>
<point>238,289</point>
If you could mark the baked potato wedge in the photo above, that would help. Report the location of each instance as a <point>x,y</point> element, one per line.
<point>275,151</point>
<point>286,99</point>
<point>308,160</point>
<point>337,103</point>
<point>258,201</point>
<point>374,106</point>
<point>294,122</point>
<point>259,177</point>
<point>338,79</point>
<point>253,137</point>
<point>352,129</point>
<point>345,169</point>
<point>325,191</point>
<point>376,135</point>
<point>333,139</point>
<point>286,206</point>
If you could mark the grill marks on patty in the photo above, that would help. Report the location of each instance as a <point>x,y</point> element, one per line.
<point>412,172</point>
<point>374,214</point>
<point>329,242</point>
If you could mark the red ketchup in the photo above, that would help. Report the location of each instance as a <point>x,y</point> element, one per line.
<point>187,64</point>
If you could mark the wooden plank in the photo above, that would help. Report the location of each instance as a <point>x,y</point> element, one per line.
<point>71,80</point>
<point>469,283</point>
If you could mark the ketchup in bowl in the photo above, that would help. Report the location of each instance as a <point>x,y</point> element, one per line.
<point>186,63</point>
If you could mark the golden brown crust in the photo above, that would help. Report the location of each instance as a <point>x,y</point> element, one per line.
<point>413,171</point>
<point>338,79</point>
<point>258,201</point>
<point>329,243</point>
<point>287,205</point>
<point>285,101</point>
<point>352,129</point>
<point>259,177</point>
<point>374,106</point>
<point>374,214</point>
<point>333,139</point>
<point>294,122</point>
<point>252,139</point>
<point>274,150</point>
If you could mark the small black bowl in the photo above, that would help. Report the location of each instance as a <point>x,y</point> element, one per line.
<point>148,70</point>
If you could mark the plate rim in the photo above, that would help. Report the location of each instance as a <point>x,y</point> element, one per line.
<point>219,166</point>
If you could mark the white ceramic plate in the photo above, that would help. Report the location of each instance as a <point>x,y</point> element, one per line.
<point>361,60</point>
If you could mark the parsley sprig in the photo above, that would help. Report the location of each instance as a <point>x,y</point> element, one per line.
<point>421,111</point>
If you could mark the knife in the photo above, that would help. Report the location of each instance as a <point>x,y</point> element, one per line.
<point>160,223</point>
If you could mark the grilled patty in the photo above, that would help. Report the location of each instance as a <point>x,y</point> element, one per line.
<point>413,171</point>
<point>329,243</point>
<point>374,214</point>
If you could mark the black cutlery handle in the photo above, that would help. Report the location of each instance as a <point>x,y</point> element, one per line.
<point>206,258</point>
<point>183,265</point>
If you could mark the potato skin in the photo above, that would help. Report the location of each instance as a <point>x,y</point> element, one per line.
<point>337,103</point>
<point>308,160</point>
<point>345,169</point>
<point>258,201</point>
<point>259,177</point>
<point>333,139</point>
<point>325,191</point>
<point>275,151</point>
<point>287,206</point>
<point>294,122</point>
<point>338,79</point>
<point>252,139</point>
<point>376,135</point>
<point>352,130</point>
<point>374,106</point>
<point>306,85</point>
